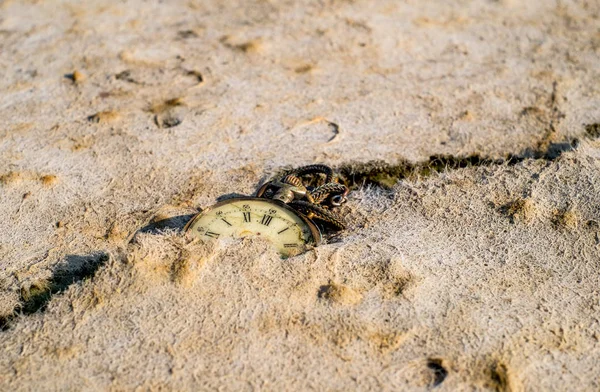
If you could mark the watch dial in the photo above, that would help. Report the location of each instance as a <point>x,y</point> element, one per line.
<point>237,218</point>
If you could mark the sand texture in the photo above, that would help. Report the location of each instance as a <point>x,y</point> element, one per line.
<point>468,130</point>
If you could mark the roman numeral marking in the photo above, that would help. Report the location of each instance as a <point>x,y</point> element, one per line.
<point>223,219</point>
<point>290,245</point>
<point>266,220</point>
<point>212,235</point>
<point>286,229</point>
<point>246,217</point>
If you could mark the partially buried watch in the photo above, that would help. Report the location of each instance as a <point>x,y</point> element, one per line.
<point>291,211</point>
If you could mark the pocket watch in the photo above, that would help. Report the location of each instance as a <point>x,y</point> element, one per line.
<point>292,211</point>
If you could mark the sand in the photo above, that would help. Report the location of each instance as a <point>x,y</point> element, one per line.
<point>468,131</point>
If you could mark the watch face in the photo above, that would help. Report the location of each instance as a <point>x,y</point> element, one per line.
<point>289,231</point>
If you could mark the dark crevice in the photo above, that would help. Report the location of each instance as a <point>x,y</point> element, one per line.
<point>324,291</point>
<point>185,34</point>
<point>512,209</point>
<point>126,77</point>
<point>385,175</point>
<point>592,130</point>
<point>4,321</point>
<point>36,297</point>
<point>498,375</point>
<point>439,372</point>
<point>168,121</point>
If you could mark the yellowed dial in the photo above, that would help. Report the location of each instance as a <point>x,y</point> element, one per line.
<point>289,231</point>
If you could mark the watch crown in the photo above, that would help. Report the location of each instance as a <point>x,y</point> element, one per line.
<point>287,193</point>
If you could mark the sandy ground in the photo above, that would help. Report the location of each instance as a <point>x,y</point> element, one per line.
<point>473,270</point>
